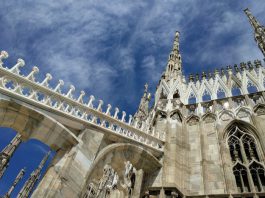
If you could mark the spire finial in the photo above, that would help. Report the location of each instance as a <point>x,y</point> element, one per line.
<point>145,87</point>
<point>176,42</point>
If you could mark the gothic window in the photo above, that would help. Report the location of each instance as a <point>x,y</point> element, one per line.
<point>258,176</point>
<point>241,176</point>
<point>246,159</point>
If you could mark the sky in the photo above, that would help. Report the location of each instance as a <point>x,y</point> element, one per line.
<point>111,49</point>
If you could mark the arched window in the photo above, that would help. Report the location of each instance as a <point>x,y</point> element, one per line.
<point>241,176</point>
<point>246,159</point>
<point>258,176</point>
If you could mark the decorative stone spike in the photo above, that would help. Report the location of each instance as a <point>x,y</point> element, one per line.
<point>236,68</point>
<point>16,68</point>
<point>34,71</point>
<point>90,103</point>
<point>216,71</point>
<point>229,70</point>
<point>70,92</point>
<point>130,120</point>
<point>203,75</point>
<point>250,66</point>
<point>45,82</point>
<point>257,63</point>
<point>33,179</point>
<point>108,109</point>
<point>209,75</point>
<point>191,78</point>
<point>123,116</point>
<point>7,153</point>
<point>18,178</point>
<point>80,98</point>
<point>243,66</point>
<point>3,55</point>
<point>100,105</point>
<point>116,112</point>
<point>58,86</point>
<point>197,77</point>
<point>222,71</point>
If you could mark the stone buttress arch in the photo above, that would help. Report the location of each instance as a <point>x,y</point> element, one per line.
<point>34,124</point>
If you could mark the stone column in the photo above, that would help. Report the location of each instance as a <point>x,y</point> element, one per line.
<point>138,183</point>
<point>162,193</point>
<point>67,174</point>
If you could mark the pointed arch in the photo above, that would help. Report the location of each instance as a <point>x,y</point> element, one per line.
<point>246,154</point>
<point>220,86</point>
<point>192,119</point>
<point>209,117</point>
<point>176,115</point>
<point>226,115</point>
<point>241,111</point>
<point>191,94</point>
<point>250,77</point>
<point>205,90</point>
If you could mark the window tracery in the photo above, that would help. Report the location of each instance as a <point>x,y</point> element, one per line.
<point>248,168</point>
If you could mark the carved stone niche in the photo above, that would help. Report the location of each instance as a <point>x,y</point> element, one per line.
<point>209,118</point>
<point>259,109</point>
<point>226,115</point>
<point>193,120</point>
<point>243,113</point>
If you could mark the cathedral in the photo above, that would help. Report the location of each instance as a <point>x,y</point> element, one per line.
<point>204,136</point>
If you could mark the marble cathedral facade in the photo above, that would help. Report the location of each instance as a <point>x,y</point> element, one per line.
<point>203,137</point>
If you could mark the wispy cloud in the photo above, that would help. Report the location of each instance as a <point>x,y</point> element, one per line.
<point>111,49</point>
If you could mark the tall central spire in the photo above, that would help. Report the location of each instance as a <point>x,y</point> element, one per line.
<point>259,31</point>
<point>174,65</point>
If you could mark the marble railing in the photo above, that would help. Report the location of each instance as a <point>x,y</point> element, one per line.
<point>233,104</point>
<point>40,94</point>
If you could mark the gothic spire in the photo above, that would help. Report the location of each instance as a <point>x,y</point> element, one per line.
<point>174,65</point>
<point>143,108</point>
<point>259,31</point>
<point>7,152</point>
<point>18,178</point>
<point>34,177</point>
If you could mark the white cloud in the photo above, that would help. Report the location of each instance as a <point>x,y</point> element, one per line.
<point>116,47</point>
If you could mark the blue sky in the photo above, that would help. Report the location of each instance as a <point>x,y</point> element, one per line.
<point>112,48</point>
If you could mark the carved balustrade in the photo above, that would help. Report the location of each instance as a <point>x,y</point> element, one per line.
<point>41,94</point>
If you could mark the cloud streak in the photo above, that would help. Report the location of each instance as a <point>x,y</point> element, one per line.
<point>111,49</point>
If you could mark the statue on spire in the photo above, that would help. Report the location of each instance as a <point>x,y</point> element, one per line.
<point>143,110</point>
<point>259,31</point>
